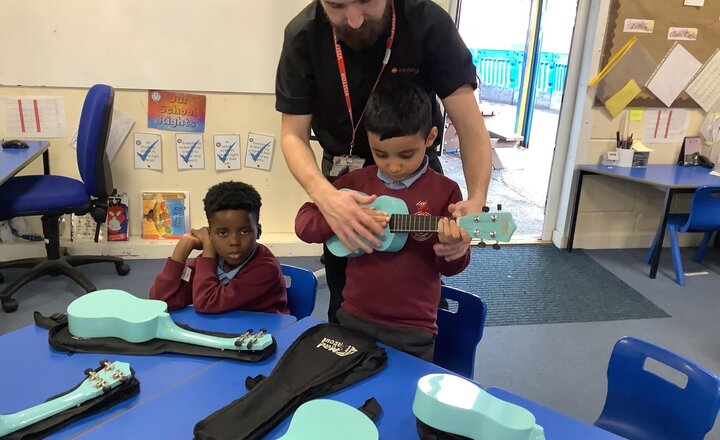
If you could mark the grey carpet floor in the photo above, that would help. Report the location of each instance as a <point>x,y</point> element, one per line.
<point>541,284</point>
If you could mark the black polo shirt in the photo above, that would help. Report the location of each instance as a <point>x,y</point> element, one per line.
<point>427,47</point>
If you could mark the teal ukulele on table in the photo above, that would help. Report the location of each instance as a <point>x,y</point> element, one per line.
<point>487,226</point>
<point>97,383</point>
<point>116,313</point>
<point>455,405</point>
<point>324,419</point>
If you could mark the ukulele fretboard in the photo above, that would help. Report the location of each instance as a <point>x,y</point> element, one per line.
<point>414,223</point>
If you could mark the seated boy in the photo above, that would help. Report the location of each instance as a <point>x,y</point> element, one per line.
<point>234,272</point>
<point>393,296</point>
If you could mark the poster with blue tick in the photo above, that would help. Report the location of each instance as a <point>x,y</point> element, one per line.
<point>148,151</point>
<point>259,151</point>
<point>190,151</point>
<point>227,152</point>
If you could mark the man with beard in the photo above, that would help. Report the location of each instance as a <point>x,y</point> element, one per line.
<point>334,54</point>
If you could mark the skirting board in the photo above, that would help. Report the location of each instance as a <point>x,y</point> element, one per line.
<point>282,245</point>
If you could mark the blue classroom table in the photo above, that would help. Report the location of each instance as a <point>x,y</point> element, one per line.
<point>175,413</point>
<point>32,371</point>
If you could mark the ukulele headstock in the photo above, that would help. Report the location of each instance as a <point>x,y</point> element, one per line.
<point>489,226</point>
<point>250,341</point>
<point>106,377</point>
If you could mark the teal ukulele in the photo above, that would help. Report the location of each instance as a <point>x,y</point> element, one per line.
<point>488,226</point>
<point>455,405</point>
<point>324,419</point>
<point>118,314</point>
<point>109,376</point>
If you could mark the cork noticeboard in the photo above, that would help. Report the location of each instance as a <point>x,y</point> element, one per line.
<point>667,14</point>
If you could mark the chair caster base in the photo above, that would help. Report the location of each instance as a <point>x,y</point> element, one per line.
<point>9,305</point>
<point>123,269</point>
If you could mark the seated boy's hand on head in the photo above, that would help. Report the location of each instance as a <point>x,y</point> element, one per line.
<point>185,246</point>
<point>453,241</point>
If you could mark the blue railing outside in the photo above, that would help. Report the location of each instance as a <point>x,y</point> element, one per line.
<point>500,73</point>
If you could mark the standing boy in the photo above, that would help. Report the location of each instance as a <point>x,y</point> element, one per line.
<point>234,272</point>
<point>394,296</point>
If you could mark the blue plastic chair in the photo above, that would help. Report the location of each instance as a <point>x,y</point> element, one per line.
<point>301,290</point>
<point>460,329</point>
<point>704,217</point>
<point>642,405</point>
<point>52,196</point>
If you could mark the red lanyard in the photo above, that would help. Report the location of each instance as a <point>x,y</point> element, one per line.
<point>343,72</point>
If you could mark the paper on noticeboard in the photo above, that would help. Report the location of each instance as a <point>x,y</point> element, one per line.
<point>673,74</point>
<point>705,87</point>
<point>34,116</point>
<point>119,129</point>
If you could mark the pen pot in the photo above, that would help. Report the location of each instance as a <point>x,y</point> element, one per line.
<point>625,157</point>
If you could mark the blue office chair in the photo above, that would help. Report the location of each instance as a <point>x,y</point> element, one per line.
<point>301,290</point>
<point>460,328</point>
<point>642,405</point>
<point>53,196</point>
<point>704,217</point>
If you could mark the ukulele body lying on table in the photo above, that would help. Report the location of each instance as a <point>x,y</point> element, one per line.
<point>116,313</point>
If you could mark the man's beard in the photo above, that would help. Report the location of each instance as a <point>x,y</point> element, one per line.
<point>367,34</point>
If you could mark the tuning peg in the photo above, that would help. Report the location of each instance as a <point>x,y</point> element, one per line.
<point>499,207</point>
<point>91,374</point>
<point>239,341</point>
<point>496,246</point>
<point>117,374</point>
<point>481,244</point>
<point>106,365</point>
<point>485,209</point>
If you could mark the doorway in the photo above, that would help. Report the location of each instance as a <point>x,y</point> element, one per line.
<point>520,50</point>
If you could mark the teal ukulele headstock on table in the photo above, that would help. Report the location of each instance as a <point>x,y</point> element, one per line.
<point>324,419</point>
<point>99,381</point>
<point>116,313</point>
<point>455,405</point>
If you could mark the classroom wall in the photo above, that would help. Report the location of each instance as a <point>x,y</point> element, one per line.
<point>616,214</point>
<point>225,114</point>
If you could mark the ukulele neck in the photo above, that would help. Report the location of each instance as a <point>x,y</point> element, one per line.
<point>414,223</point>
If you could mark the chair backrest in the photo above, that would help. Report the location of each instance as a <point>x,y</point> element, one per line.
<point>93,133</point>
<point>460,329</point>
<point>704,210</point>
<point>642,405</point>
<point>301,290</point>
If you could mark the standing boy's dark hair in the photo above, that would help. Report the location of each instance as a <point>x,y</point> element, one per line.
<point>232,195</point>
<point>398,108</point>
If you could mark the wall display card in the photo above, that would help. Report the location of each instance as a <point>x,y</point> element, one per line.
<point>120,127</point>
<point>117,218</point>
<point>682,33</point>
<point>165,214</point>
<point>82,228</point>
<point>190,151</point>
<point>639,25</point>
<point>664,126</point>
<point>694,2</point>
<point>227,152</point>
<point>174,111</point>
<point>673,74</point>
<point>259,151</point>
<point>34,117</point>
<point>148,151</point>
<point>705,87</point>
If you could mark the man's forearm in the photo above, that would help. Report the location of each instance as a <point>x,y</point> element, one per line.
<point>477,163</point>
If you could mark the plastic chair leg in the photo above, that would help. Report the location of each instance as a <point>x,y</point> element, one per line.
<point>677,260</point>
<point>700,254</point>
<point>648,256</point>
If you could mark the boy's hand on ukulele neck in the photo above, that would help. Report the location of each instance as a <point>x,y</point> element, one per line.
<point>453,241</point>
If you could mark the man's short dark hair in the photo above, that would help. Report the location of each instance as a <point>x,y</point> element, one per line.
<point>232,195</point>
<point>398,108</point>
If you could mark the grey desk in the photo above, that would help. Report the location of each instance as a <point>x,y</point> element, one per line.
<point>12,160</point>
<point>672,179</point>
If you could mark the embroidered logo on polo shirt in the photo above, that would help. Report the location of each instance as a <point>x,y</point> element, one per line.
<point>413,70</point>
<point>339,348</point>
<point>422,209</point>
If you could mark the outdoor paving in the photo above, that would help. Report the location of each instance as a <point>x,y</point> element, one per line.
<point>521,186</point>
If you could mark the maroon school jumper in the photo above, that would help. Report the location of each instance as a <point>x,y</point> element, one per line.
<point>259,286</point>
<point>397,289</point>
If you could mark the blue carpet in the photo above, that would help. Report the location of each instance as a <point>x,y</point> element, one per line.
<point>541,284</point>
